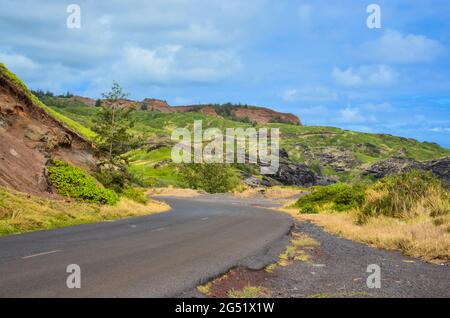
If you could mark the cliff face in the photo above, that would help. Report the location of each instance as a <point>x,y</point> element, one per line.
<point>259,115</point>
<point>265,115</point>
<point>29,138</point>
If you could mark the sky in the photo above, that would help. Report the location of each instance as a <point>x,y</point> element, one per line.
<point>317,59</point>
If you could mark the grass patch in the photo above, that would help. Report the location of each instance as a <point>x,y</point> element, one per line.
<point>246,292</point>
<point>404,196</point>
<point>409,212</point>
<point>303,240</point>
<point>417,237</point>
<point>20,213</point>
<point>271,268</point>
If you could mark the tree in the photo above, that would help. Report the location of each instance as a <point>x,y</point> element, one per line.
<point>112,124</point>
<point>211,177</point>
<point>98,103</point>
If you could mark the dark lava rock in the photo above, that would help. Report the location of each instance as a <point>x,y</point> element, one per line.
<point>391,165</point>
<point>440,167</point>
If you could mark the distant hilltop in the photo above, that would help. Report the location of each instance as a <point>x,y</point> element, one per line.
<point>245,113</point>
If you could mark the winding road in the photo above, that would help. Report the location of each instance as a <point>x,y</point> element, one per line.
<point>160,255</point>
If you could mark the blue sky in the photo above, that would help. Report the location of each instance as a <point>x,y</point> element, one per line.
<point>316,59</point>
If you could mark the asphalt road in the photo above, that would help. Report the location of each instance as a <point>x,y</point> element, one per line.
<point>153,256</point>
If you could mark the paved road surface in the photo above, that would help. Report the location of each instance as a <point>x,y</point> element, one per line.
<point>152,256</point>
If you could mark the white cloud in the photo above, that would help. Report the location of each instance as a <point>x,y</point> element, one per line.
<point>350,115</point>
<point>355,115</point>
<point>289,95</point>
<point>367,75</point>
<point>395,47</point>
<point>440,129</point>
<point>175,63</point>
<point>18,62</point>
<point>310,93</point>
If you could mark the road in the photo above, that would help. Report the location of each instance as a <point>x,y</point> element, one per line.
<point>153,256</point>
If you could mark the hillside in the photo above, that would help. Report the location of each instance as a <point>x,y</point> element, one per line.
<point>242,113</point>
<point>31,135</point>
<point>330,152</point>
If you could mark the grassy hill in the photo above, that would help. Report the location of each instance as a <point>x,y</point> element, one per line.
<point>330,151</point>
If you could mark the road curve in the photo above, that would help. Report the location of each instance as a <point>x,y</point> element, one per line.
<point>153,256</point>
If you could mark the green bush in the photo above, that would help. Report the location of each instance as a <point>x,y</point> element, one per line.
<point>309,208</point>
<point>115,180</point>
<point>210,177</point>
<point>135,194</point>
<point>73,182</point>
<point>342,197</point>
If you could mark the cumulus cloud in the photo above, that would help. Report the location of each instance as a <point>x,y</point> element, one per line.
<point>175,63</point>
<point>396,47</point>
<point>367,75</point>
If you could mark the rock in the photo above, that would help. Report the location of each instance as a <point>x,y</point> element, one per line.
<point>296,174</point>
<point>391,165</point>
<point>440,167</point>
<point>255,182</point>
<point>338,158</point>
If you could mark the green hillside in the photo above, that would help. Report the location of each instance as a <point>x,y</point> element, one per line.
<point>330,151</point>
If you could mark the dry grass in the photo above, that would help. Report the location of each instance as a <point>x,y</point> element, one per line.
<point>247,292</point>
<point>173,192</point>
<point>422,237</point>
<point>20,213</point>
<point>283,195</point>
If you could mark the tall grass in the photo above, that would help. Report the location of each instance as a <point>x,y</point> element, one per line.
<point>405,196</point>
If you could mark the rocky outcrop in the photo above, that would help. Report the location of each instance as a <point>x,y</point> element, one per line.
<point>259,115</point>
<point>289,173</point>
<point>394,165</point>
<point>440,167</point>
<point>153,104</point>
<point>122,103</point>
<point>85,100</point>
<point>338,158</point>
<point>262,115</point>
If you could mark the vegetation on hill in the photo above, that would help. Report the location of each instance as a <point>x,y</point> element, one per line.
<point>409,212</point>
<point>210,177</point>
<point>75,183</point>
<point>333,152</point>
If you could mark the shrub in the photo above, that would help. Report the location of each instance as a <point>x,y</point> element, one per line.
<point>340,196</point>
<point>210,177</point>
<point>115,180</point>
<point>73,182</point>
<point>406,195</point>
<point>135,194</point>
<point>309,208</point>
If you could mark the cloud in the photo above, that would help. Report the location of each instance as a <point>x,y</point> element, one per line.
<point>378,107</point>
<point>440,129</point>
<point>373,75</point>
<point>175,63</point>
<point>395,47</point>
<point>350,115</point>
<point>310,93</point>
<point>18,62</point>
